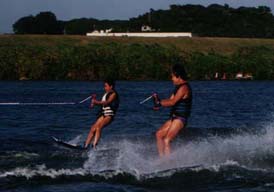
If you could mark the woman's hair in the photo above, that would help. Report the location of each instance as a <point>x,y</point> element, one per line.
<point>179,71</point>
<point>110,82</point>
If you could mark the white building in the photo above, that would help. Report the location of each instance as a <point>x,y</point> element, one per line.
<point>141,34</point>
<point>146,28</point>
<point>147,31</point>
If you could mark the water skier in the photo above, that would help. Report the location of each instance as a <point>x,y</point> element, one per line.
<point>109,105</point>
<point>180,102</point>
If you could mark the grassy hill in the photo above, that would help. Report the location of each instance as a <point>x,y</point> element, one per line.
<point>202,55</point>
<point>223,46</point>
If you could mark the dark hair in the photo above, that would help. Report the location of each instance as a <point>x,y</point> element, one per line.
<point>110,82</point>
<point>179,71</point>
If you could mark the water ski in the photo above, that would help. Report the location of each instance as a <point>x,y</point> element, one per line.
<point>68,145</point>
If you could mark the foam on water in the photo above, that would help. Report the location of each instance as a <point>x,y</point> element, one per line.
<point>41,170</point>
<point>254,151</point>
<point>18,155</point>
<point>76,140</point>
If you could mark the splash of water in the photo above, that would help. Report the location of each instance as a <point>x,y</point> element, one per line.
<point>139,157</point>
<point>252,150</point>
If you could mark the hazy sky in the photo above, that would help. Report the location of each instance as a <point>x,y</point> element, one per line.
<point>12,10</point>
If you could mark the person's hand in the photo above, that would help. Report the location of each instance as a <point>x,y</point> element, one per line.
<point>93,100</point>
<point>156,101</point>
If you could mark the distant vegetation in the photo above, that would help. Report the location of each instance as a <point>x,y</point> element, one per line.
<point>63,57</point>
<point>212,21</point>
<point>85,58</point>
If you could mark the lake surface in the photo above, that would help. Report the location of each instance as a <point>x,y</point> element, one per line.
<point>227,146</point>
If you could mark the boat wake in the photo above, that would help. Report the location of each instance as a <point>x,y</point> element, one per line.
<point>241,159</point>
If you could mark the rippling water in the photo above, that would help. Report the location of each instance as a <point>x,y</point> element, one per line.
<point>228,145</point>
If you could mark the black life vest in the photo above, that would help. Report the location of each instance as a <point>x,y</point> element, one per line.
<point>182,107</point>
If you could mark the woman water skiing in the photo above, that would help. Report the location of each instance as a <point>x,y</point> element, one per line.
<point>180,102</point>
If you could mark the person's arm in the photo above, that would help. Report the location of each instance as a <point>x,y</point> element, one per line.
<point>108,101</point>
<point>182,92</point>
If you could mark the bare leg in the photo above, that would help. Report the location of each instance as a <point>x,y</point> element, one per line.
<point>106,120</point>
<point>173,131</point>
<point>93,130</point>
<point>160,136</point>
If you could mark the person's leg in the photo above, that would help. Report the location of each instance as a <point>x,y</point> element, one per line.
<point>160,135</point>
<point>93,130</point>
<point>105,121</point>
<point>175,127</point>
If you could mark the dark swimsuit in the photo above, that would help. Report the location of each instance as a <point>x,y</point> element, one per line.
<point>182,119</point>
<point>182,108</point>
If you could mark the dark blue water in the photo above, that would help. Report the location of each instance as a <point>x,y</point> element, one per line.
<point>228,145</point>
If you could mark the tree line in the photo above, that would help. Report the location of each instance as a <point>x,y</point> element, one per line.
<point>66,59</point>
<point>213,20</point>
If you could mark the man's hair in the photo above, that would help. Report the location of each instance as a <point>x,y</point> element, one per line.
<point>110,82</point>
<point>179,71</point>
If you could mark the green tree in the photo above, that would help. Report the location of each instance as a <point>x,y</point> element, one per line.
<point>42,23</point>
<point>25,25</point>
<point>80,26</point>
<point>46,23</point>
